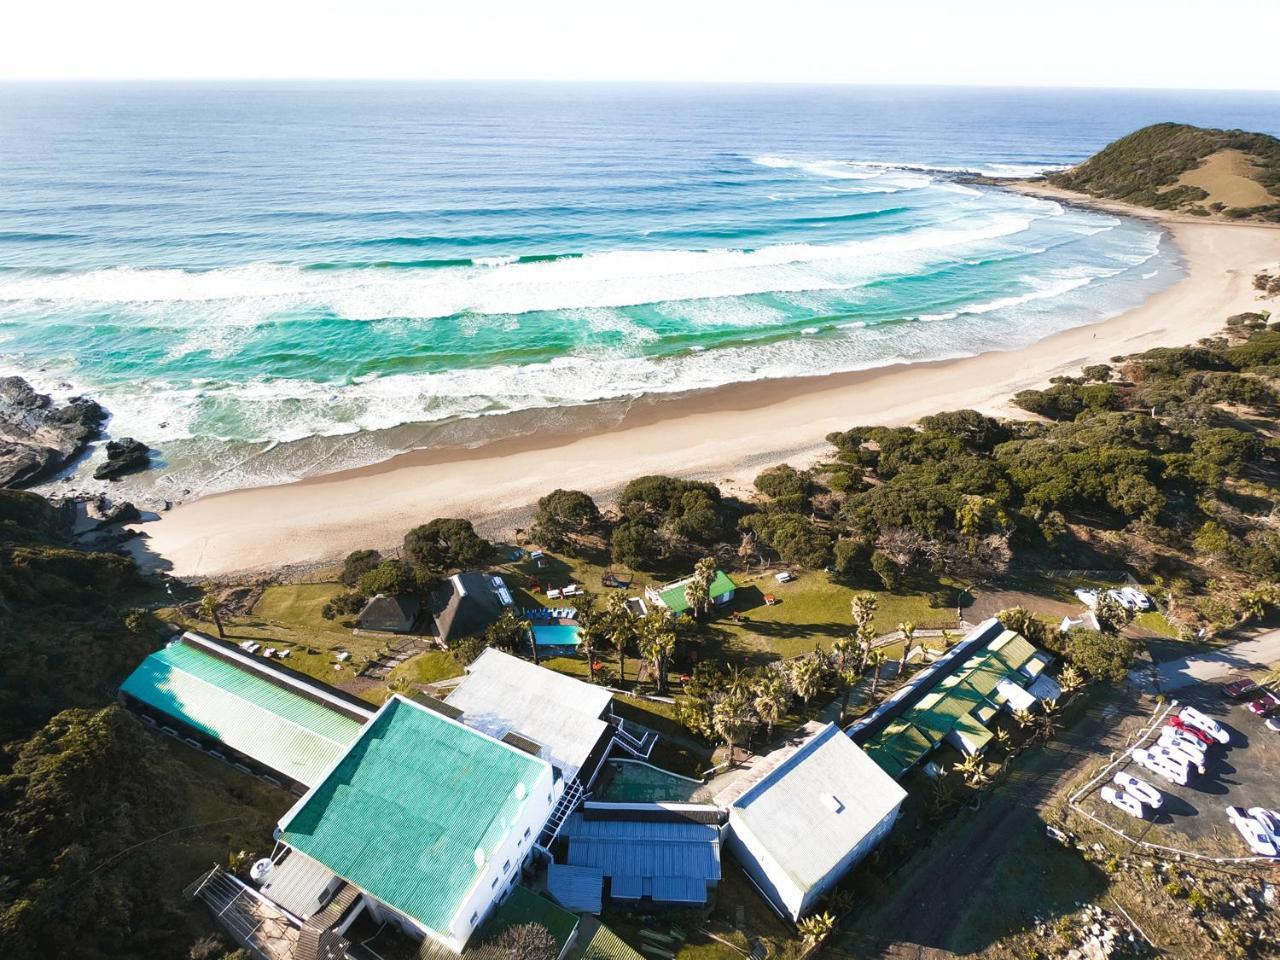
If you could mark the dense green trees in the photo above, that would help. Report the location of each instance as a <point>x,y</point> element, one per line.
<point>394,578</point>
<point>446,544</point>
<point>792,536</point>
<point>357,564</point>
<point>563,515</point>
<point>787,488</point>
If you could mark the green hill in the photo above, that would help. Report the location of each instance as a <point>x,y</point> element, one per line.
<point>1175,166</point>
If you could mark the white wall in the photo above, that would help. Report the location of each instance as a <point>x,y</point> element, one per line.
<point>514,849</point>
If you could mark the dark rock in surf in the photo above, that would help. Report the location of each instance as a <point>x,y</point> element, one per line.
<point>125,455</point>
<point>39,437</point>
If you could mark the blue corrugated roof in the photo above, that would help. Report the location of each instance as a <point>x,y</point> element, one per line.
<point>679,890</point>
<point>575,888</point>
<point>626,888</point>
<point>634,854</point>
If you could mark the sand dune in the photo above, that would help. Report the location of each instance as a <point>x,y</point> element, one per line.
<point>1226,177</point>
<point>726,434</point>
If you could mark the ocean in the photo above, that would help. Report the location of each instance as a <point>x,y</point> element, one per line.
<point>270,281</point>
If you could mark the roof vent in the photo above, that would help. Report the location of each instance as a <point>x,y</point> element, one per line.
<point>832,801</point>
<point>479,857</point>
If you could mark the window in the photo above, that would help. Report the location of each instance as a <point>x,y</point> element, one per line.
<point>506,867</point>
<point>526,833</point>
<point>474,919</point>
<point>494,883</point>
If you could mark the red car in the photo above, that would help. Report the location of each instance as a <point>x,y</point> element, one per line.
<point>1240,688</point>
<point>1179,724</point>
<point>1265,705</point>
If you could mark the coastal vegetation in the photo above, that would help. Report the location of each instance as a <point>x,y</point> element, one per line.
<point>1154,167</point>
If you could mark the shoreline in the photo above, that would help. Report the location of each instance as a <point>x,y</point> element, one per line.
<point>726,434</point>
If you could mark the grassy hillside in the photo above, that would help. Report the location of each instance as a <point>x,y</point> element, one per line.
<point>1175,166</point>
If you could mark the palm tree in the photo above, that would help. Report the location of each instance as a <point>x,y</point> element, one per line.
<point>1002,738</point>
<point>876,660</point>
<point>698,597</point>
<point>1049,719</point>
<point>866,637</point>
<point>843,650</point>
<point>974,770</point>
<point>731,717</point>
<point>908,631</point>
<point>1023,717</point>
<point>806,677</point>
<point>815,929</point>
<point>771,701</point>
<point>658,646</point>
<point>621,630</point>
<point>1070,679</point>
<point>862,608</point>
<point>211,607</point>
<point>588,635</point>
<point>704,571</point>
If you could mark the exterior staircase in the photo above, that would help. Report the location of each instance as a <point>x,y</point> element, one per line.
<point>317,940</point>
<point>567,803</point>
<point>639,744</point>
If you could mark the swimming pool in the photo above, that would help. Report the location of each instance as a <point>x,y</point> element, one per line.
<point>556,635</point>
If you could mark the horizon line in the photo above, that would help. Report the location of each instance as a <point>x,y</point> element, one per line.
<point>634,82</point>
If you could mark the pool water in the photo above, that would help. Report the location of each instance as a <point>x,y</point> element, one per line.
<point>632,781</point>
<point>556,635</point>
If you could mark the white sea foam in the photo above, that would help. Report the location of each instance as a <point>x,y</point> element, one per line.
<point>244,296</point>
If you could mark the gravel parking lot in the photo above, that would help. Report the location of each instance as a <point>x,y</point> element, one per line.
<point>1244,773</point>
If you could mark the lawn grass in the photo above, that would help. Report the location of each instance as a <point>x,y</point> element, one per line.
<point>430,666</point>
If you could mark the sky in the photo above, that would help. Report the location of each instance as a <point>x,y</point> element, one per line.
<point>1097,43</point>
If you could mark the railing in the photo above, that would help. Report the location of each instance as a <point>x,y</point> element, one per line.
<point>567,803</point>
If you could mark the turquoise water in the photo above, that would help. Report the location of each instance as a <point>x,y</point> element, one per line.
<point>556,635</point>
<point>270,281</point>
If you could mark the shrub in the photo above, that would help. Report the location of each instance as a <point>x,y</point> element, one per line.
<point>851,556</point>
<point>786,487</point>
<point>886,569</point>
<point>636,545</point>
<point>563,514</point>
<point>1102,656</point>
<point>357,564</point>
<point>446,544</point>
<point>395,578</point>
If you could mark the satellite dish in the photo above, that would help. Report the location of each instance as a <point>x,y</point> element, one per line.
<point>260,870</point>
<point>479,858</point>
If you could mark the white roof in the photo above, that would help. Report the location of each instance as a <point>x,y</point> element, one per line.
<point>1014,696</point>
<point>502,694</point>
<point>817,806</point>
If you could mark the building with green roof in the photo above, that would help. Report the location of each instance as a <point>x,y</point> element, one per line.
<point>672,595</point>
<point>953,700</point>
<point>248,711</point>
<point>432,820</point>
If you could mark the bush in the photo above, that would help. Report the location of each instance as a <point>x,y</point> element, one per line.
<point>886,569</point>
<point>1097,372</point>
<point>1102,656</point>
<point>562,514</point>
<point>446,544</point>
<point>786,487</point>
<point>793,537</point>
<point>343,605</point>
<point>357,564</point>
<point>851,556</point>
<point>636,545</point>
<point>394,578</point>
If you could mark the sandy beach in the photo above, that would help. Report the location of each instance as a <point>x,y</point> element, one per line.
<point>727,434</point>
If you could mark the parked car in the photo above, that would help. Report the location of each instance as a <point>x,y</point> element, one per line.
<point>1193,744</point>
<point>1274,724</point>
<point>1265,705</point>
<point>1179,724</point>
<point>1177,773</point>
<point>1241,688</point>
<point>1269,820</point>
<point>1178,752</point>
<point>1136,597</point>
<point>1254,834</point>
<point>1124,801</point>
<point>1210,726</point>
<point>1139,789</point>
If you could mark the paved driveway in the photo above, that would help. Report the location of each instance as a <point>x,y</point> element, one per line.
<point>1254,654</point>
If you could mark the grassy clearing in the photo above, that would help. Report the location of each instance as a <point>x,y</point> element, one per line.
<point>431,666</point>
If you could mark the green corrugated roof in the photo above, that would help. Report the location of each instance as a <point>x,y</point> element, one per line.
<point>674,597</point>
<point>606,945</point>
<point>260,719</point>
<point>974,733</point>
<point>403,813</point>
<point>951,704</point>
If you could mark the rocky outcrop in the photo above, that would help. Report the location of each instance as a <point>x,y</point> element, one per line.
<point>125,455</point>
<point>39,437</point>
